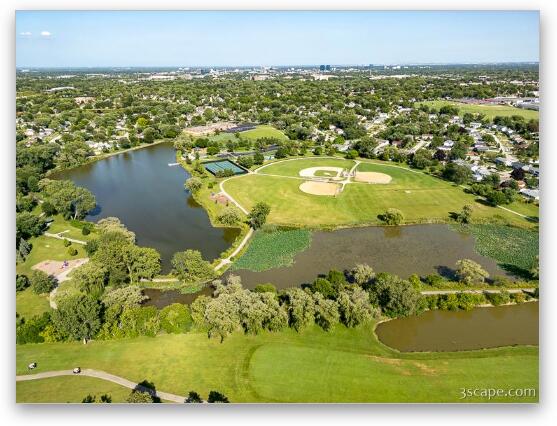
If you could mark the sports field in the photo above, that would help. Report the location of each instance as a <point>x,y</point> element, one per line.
<point>421,197</point>
<point>344,365</point>
<point>490,111</point>
<point>253,134</point>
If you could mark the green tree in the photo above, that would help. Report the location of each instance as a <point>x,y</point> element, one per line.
<point>326,312</point>
<point>457,174</point>
<point>141,262</point>
<point>78,317</point>
<point>190,266</point>
<point>230,216</point>
<point>258,215</point>
<point>465,216</point>
<point>41,282</point>
<point>362,274</point>
<point>28,225</point>
<point>91,278</point>
<point>217,397</point>
<point>193,184</point>
<point>300,307</point>
<point>124,297</point>
<point>470,272</point>
<point>395,296</point>
<point>392,217</point>
<point>193,398</point>
<point>354,306</point>
<point>149,135</point>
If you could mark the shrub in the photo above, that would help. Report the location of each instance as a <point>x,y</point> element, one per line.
<point>41,283</point>
<point>67,243</point>
<point>175,318</point>
<point>72,251</point>
<point>215,396</point>
<point>30,331</point>
<point>21,282</point>
<point>518,297</point>
<point>500,298</point>
<point>86,230</point>
<point>265,288</point>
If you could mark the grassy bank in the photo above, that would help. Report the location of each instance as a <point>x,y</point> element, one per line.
<point>273,249</point>
<point>345,365</point>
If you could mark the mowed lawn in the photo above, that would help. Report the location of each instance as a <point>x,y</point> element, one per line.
<point>292,167</point>
<point>421,198</point>
<point>253,134</point>
<point>345,365</point>
<point>48,248</point>
<point>69,389</point>
<point>489,111</point>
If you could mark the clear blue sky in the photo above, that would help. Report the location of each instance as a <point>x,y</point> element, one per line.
<point>128,38</point>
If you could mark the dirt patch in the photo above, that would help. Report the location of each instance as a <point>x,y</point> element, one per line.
<point>372,177</point>
<point>320,188</point>
<point>57,269</point>
<point>219,198</point>
<point>310,171</point>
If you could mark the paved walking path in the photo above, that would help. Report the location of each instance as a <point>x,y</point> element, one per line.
<point>61,277</point>
<point>60,237</point>
<point>227,260</point>
<point>103,376</point>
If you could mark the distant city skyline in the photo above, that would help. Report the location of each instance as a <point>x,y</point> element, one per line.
<point>74,39</point>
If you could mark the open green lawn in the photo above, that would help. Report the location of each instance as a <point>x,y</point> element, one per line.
<point>70,228</point>
<point>345,365</point>
<point>68,389</point>
<point>48,248</point>
<point>28,304</point>
<point>292,167</point>
<point>253,134</point>
<point>422,198</point>
<point>490,111</point>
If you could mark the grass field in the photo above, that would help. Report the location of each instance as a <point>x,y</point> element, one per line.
<point>28,304</point>
<point>68,389</point>
<point>48,248</point>
<point>253,134</point>
<point>490,111</point>
<point>421,198</point>
<point>273,249</point>
<point>345,365</point>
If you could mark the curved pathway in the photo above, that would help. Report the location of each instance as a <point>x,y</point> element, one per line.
<point>227,260</point>
<point>103,376</point>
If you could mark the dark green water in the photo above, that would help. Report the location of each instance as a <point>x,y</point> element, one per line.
<point>405,250</point>
<point>463,330</point>
<point>149,198</point>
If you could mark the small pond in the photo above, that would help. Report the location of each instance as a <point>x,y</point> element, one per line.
<point>463,330</point>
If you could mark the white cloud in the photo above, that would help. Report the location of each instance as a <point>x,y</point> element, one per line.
<point>25,34</point>
<point>45,33</point>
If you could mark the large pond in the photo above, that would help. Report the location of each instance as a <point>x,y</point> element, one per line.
<point>405,250</point>
<point>148,196</point>
<point>463,330</point>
